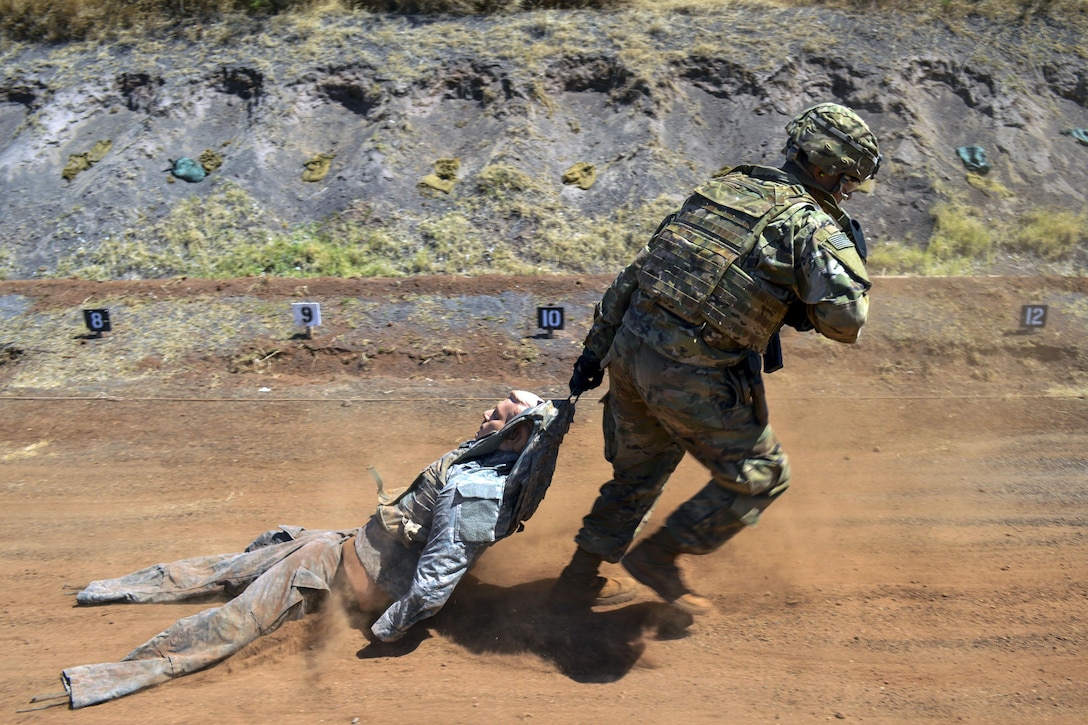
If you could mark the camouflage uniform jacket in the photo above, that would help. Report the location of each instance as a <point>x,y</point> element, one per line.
<point>461,515</point>
<point>804,254</point>
<point>455,509</point>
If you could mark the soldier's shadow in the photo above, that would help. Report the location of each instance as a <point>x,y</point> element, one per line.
<point>585,645</point>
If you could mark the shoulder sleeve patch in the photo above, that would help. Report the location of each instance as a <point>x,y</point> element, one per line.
<point>842,248</point>
<point>840,241</point>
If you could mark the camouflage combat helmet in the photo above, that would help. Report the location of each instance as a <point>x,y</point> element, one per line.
<point>834,139</point>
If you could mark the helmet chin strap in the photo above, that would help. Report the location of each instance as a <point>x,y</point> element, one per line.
<point>837,191</point>
<point>809,170</point>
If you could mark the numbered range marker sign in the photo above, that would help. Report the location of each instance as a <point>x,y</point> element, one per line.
<point>550,318</point>
<point>1033,317</point>
<point>97,321</point>
<point>307,314</point>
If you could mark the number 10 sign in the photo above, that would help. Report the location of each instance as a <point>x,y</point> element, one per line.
<point>550,319</point>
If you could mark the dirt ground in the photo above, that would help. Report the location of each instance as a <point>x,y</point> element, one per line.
<point>927,565</point>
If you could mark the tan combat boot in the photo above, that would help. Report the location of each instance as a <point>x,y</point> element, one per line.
<point>653,563</point>
<point>579,586</point>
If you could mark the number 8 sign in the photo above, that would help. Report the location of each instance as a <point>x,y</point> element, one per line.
<point>97,321</point>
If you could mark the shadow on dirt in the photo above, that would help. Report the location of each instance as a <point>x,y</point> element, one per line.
<point>586,646</point>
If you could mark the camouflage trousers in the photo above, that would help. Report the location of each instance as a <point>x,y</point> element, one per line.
<point>274,584</point>
<point>657,410</point>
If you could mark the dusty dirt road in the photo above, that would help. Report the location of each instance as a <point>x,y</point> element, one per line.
<point>928,564</point>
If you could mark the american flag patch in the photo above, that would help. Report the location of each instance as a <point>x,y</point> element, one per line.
<point>839,240</point>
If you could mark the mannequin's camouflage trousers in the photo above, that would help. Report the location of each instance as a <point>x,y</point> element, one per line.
<point>273,584</point>
<point>655,411</point>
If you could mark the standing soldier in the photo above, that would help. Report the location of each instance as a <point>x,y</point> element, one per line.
<point>682,330</point>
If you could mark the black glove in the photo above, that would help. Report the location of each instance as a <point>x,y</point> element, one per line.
<point>797,317</point>
<point>587,374</point>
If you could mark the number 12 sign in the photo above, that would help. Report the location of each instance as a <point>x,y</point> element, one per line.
<point>1033,316</point>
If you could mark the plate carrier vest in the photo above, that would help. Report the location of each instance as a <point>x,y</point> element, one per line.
<point>694,268</point>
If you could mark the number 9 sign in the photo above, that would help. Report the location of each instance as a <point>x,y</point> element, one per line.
<point>307,314</point>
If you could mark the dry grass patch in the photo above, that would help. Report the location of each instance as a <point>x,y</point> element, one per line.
<point>1051,233</point>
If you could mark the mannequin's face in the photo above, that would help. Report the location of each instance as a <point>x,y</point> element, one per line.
<point>495,418</point>
<point>505,411</point>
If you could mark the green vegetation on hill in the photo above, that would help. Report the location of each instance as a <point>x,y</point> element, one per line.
<point>224,236</point>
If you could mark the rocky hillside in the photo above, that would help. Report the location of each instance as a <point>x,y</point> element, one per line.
<point>547,141</point>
